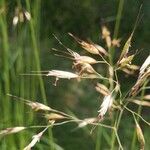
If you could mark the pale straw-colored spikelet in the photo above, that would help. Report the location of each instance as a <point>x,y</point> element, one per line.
<point>27,15</point>
<point>106,104</point>
<point>141,103</point>
<point>38,106</point>
<point>15,20</point>
<point>90,46</point>
<point>101,88</point>
<point>86,59</point>
<point>106,36</point>
<point>36,138</point>
<point>116,42</point>
<point>54,116</point>
<point>62,74</point>
<point>11,130</point>
<point>86,121</point>
<point>147,97</point>
<point>88,68</point>
<point>100,49</point>
<point>145,65</point>
<point>140,81</point>
<point>21,15</point>
<point>140,136</point>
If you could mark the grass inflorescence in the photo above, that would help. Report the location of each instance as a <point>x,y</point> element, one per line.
<point>115,103</point>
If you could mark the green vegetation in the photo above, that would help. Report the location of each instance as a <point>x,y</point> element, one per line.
<point>26,42</point>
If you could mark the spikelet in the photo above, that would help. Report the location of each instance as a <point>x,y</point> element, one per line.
<point>38,106</point>
<point>128,42</point>
<point>21,15</point>
<point>54,116</point>
<point>106,36</point>
<point>62,74</point>
<point>147,97</point>
<point>145,65</point>
<point>140,136</point>
<point>76,57</point>
<point>126,61</point>
<point>101,88</point>
<point>125,48</point>
<point>90,46</point>
<point>141,103</point>
<point>11,130</point>
<point>86,121</point>
<point>106,104</point>
<point>86,59</point>
<point>141,79</point>
<point>36,138</point>
<point>116,42</point>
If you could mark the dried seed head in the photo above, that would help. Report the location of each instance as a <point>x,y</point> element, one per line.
<point>54,116</point>
<point>101,88</point>
<point>101,49</point>
<point>38,106</point>
<point>62,74</point>
<point>84,68</point>
<point>90,46</point>
<point>15,20</point>
<point>86,59</point>
<point>11,130</point>
<point>106,36</point>
<point>20,15</point>
<point>147,97</point>
<point>106,104</point>
<point>141,79</point>
<point>36,138</point>
<point>86,121</point>
<point>108,41</point>
<point>27,15</point>
<point>116,42</point>
<point>140,136</point>
<point>105,32</point>
<point>145,65</point>
<point>141,103</point>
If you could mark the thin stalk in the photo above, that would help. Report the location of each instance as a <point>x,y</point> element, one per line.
<point>118,18</point>
<point>113,136</point>
<point>5,76</point>
<point>5,69</point>
<point>111,53</point>
<point>98,138</point>
<point>117,24</point>
<point>36,53</point>
<point>34,37</point>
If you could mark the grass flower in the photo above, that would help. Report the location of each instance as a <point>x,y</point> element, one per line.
<point>106,104</point>
<point>54,116</point>
<point>86,121</point>
<point>90,46</point>
<point>101,88</point>
<point>62,74</point>
<point>21,15</point>
<point>106,36</point>
<point>11,130</point>
<point>145,65</point>
<point>36,138</point>
<point>38,106</point>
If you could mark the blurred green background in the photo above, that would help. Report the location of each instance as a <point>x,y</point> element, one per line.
<point>27,47</point>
